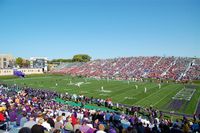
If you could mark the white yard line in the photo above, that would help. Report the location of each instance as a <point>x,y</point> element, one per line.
<point>67,89</point>
<point>135,94</point>
<point>149,96</point>
<point>185,94</point>
<point>165,97</point>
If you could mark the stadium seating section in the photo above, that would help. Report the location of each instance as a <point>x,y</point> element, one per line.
<point>175,68</point>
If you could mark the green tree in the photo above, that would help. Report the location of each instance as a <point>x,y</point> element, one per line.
<point>56,61</point>
<point>22,62</point>
<point>19,61</point>
<point>26,63</point>
<point>81,58</point>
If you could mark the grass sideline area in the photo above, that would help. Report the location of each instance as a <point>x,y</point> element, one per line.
<point>124,92</point>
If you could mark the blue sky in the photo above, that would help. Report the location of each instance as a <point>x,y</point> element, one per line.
<point>100,28</point>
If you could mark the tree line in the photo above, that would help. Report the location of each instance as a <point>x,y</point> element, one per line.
<point>76,58</point>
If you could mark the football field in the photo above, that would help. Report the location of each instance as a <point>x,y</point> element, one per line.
<point>168,97</point>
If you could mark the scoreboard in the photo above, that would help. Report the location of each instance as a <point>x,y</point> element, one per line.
<point>39,62</point>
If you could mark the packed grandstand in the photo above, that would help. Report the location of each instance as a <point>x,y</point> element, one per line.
<point>175,68</point>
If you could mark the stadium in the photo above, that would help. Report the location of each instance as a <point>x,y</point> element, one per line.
<point>99,66</point>
<point>167,86</point>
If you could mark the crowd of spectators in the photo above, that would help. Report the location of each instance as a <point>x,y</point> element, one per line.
<point>194,71</point>
<point>175,68</point>
<point>36,111</point>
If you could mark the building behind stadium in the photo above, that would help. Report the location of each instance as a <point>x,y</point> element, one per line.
<point>38,65</point>
<point>6,61</point>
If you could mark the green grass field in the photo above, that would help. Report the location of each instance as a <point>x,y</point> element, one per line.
<point>120,91</point>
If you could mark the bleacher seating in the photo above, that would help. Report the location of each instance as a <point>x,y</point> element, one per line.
<point>175,68</point>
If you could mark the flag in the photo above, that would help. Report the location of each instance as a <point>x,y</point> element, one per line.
<point>18,73</point>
